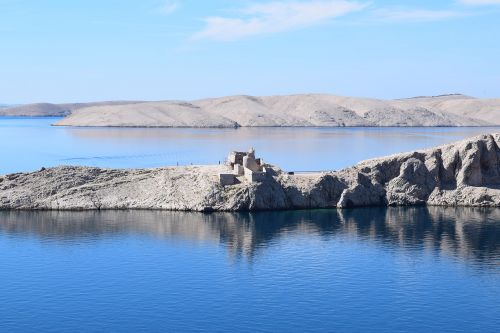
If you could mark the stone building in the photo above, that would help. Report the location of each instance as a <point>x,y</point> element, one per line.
<point>244,165</point>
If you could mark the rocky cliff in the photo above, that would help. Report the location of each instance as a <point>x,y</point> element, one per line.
<point>465,173</point>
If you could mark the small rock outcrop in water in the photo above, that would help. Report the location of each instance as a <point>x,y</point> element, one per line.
<point>466,173</point>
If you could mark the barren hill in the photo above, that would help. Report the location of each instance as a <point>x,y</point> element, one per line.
<point>292,110</point>
<point>52,110</point>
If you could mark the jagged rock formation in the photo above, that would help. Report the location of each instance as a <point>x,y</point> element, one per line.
<point>293,110</point>
<point>466,173</point>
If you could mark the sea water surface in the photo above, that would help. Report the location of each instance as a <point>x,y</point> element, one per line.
<point>361,270</point>
<point>30,143</point>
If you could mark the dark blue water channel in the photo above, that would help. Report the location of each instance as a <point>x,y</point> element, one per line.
<point>362,270</point>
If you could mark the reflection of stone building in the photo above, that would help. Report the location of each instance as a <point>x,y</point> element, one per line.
<point>467,233</point>
<point>244,166</point>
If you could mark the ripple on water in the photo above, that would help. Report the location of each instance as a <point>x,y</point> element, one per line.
<point>375,269</point>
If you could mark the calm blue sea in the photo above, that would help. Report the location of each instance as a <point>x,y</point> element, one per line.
<point>361,270</point>
<point>29,143</point>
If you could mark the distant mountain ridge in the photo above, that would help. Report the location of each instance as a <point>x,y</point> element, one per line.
<point>52,110</point>
<point>291,110</point>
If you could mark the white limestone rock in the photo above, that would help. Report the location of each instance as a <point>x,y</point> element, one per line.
<point>466,173</point>
<point>292,110</point>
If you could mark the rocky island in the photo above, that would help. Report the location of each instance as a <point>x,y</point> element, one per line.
<point>465,173</point>
<point>301,110</point>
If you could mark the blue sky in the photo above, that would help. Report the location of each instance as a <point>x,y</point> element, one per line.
<point>85,50</point>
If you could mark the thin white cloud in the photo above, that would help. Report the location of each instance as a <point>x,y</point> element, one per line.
<point>415,15</point>
<point>169,6</point>
<point>275,17</point>
<point>479,2</point>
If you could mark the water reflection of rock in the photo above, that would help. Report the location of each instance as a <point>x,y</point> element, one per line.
<point>467,233</point>
<point>281,136</point>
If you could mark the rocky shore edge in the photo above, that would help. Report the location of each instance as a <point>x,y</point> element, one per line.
<point>464,173</point>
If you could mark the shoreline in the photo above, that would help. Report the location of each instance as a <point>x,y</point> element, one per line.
<point>464,173</point>
<point>273,126</point>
